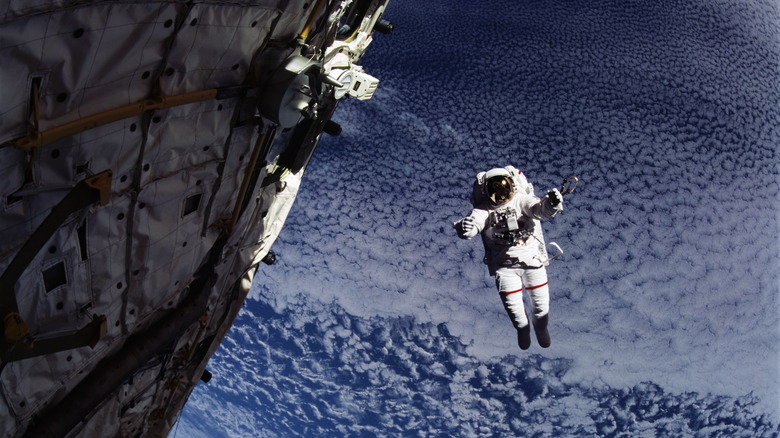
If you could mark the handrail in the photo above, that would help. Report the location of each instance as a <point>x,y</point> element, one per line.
<point>42,138</point>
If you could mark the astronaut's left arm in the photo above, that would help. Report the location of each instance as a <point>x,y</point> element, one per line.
<point>544,208</point>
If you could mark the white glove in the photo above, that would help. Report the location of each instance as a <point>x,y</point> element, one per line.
<point>468,227</point>
<point>468,224</point>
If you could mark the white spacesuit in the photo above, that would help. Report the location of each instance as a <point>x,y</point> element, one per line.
<point>506,213</point>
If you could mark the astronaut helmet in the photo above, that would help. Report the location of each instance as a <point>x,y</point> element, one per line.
<point>499,186</point>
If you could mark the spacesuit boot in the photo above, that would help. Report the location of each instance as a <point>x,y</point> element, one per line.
<point>524,337</point>
<point>542,335</point>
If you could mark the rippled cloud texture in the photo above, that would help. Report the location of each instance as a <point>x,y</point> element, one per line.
<point>378,321</point>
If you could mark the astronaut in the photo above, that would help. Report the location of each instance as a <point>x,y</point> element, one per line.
<point>506,214</point>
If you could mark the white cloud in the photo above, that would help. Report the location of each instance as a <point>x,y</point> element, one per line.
<point>665,313</point>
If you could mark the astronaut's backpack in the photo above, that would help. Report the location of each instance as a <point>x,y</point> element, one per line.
<point>478,195</point>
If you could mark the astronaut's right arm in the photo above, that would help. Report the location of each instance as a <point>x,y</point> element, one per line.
<point>472,224</point>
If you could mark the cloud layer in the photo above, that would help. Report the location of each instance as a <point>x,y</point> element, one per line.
<point>329,373</point>
<point>664,306</point>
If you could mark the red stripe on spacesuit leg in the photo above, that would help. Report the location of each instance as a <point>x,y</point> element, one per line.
<point>536,287</point>
<point>510,292</point>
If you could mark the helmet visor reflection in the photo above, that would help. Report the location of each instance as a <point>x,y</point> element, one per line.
<point>500,189</point>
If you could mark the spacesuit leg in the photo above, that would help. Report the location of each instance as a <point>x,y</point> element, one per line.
<point>535,281</point>
<point>510,288</point>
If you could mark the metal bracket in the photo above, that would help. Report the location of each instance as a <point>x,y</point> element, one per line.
<point>89,335</point>
<point>102,183</point>
<point>16,332</point>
